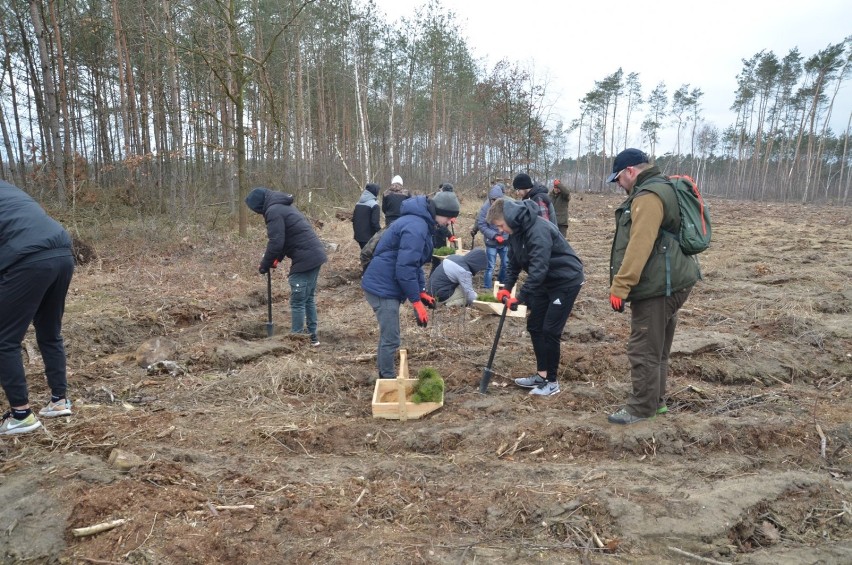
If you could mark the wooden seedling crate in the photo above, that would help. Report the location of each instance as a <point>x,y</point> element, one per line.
<point>497,308</point>
<point>390,397</point>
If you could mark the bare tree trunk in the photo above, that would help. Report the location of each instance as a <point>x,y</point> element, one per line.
<point>50,101</point>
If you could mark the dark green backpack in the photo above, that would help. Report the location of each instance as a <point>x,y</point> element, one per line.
<point>370,248</point>
<point>695,231</point>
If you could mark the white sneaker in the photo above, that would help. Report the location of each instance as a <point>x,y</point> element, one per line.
<point>56,409</point>
<point>531,381</point>
<point>547,389</point>
<point>12,426</point>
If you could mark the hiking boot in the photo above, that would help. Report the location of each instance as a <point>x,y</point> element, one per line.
<point>549,388</point>
<point>55,409</point>
<point>315,342</point>
<point>662,409</point>
<point>531,381</point>
<point>624,418</point>
<point>12,426</point>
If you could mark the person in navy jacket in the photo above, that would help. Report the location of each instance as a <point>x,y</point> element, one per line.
<point>36,266</point>
<point>291,235</point>
<point>395,274</point>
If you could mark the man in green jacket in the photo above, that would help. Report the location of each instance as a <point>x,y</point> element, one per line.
<point>560,197</point>
<point>649,270</point>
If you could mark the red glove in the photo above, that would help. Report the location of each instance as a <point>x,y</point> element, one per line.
<point>263,270</point>
<point>420,314</point>
<point>428,300</point>
<point>616,303</point>
<point>452,239</point>
<point>505,297</point>
<point>500,239</point>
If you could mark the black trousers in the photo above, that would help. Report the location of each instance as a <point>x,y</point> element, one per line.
<point>33,292</point>
<point>549,311</point>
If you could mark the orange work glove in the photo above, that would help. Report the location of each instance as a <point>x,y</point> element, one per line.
<point>421,314</point>
<point>616,303</point>
<point>505,297</point>
<point>500,239</point>
<point>427,299</point>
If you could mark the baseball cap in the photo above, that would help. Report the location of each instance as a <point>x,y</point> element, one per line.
<point>627,158</point>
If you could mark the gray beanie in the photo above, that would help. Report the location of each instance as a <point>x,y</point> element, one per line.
<point>446,204</point>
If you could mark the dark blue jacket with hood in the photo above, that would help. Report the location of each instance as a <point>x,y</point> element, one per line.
<point>289,231</point>
<point>27,233</point>
<point>396,270</point>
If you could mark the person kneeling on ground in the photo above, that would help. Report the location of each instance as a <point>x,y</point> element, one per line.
<point>451,282</point>
<point>36,266</point>
<point>395,272</point>
<point>554,277</point>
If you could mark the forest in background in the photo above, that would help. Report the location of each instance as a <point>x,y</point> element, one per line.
<point>175,104</point>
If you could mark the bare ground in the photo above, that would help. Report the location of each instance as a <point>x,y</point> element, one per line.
<point>283,433</point>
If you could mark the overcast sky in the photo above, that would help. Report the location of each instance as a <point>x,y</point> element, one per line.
<point>701,44</point>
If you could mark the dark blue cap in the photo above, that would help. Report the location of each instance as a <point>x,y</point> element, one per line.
<point>627,158</point>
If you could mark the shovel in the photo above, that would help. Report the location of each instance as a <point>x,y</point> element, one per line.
<point>487,372</point>
<point>270,327</point>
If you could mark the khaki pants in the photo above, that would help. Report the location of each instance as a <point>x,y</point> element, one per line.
<point>652,326</point>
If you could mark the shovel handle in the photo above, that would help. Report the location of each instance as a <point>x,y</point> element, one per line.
<point>270,327</point>
<point>486,374</point>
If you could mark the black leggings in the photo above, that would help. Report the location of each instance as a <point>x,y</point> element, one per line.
<point>549,310</point>
<point>33,292</point>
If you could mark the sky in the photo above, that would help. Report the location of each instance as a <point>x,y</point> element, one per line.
<point>574,44</point>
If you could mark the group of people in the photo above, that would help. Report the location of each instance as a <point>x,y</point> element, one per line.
<point>647,270</point>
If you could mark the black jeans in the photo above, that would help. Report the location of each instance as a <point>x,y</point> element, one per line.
<point>33,292</point>
<point>549,310</point>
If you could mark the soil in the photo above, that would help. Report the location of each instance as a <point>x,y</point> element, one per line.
<point>245,448</point>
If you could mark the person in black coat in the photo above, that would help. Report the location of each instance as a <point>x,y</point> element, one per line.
<point>291,235</point>
<point>36,266</point>
<point>554,277</point>
<point>392,200</point>
<point>366,218</point>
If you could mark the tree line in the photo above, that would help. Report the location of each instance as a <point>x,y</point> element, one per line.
<point>176,103</point>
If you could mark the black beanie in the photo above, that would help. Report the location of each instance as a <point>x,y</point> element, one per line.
<point>522,181</point>
<point>373,188</point>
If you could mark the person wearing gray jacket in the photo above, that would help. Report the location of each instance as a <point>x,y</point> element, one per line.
<point>36,266</point>
<point>495,239</point>
<point>451,282</point>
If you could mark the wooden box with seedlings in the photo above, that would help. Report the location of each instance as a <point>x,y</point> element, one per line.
<point>488,303</point>
<point>443,252</point>
<point>404,398</point>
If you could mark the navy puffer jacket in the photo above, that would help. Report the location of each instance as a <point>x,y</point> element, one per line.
<point>396,270</point>
<point>289,231</point>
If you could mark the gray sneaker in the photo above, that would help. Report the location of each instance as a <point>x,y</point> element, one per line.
<point>546,389</point>
<point>624,417</point>
<point>530,382</point>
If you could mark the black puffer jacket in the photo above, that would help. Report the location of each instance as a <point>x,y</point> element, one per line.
<point>537,247</point>
<point>27,233</point>
<point>290,233</point>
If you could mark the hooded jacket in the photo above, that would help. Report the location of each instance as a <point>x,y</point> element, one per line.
<point>537,247</point>
<point>490,231</point>
<point>538,194</point>
<point>366,218</point>
<point>457,270</point>
<point>290,233</point>
<point>405,246</point>
<point>27,233</point>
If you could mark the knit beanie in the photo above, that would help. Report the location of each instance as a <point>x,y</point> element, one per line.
<point>446,204</point>
<point>373,188</point>
<point>397,180</point>
<point>522,181</point>
<point>447,187</point>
